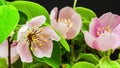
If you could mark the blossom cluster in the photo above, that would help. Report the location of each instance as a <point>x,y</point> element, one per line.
<point>35,38</point>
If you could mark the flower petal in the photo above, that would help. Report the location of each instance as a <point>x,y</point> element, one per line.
<point>36,22</point>
<point>53,13</point>
<point>45,50</point>
<point>24,52</point>
<point>76,26</point>
<point>109,19</point>
<point>66,12</point>
<point>104,42</point>
<point>51,33</point>
<point>22,31</point>
<point>93,26</point>
<point>89,39</point>
<point>116,32</point>
<point>4,49</point>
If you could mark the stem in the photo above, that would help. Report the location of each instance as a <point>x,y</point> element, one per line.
<point>72,53</point>
<point>75,2</point>
<point>9,51</point>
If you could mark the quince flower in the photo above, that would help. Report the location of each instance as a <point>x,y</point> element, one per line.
<point>104,32</point>
<point>4,51</point>
<point>37,38</point>
<point>68,23</point>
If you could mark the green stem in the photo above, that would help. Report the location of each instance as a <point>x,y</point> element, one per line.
<point>75,2</point>
<point>23,65</point>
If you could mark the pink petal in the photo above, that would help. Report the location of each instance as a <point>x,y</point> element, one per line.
<point>22,31</point>
<point>76,26</point>
<point>45,50</point>
<point>51,33</point>
<point>116,32</point>
<point>66,12</point>
<point>109,19</point>
<point>14,54</point>
<point>104,42</point>
<point>53,13</point>
<point>54,23</point>
<point>4,49</point>
<point>24,52</point>
<point>36,21</point>
<point>89,39</point>
<point>93,27</point>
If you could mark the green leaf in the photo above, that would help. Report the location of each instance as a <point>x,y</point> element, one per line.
<point>17,64</point>
<point>65,44</point>
<point>68,66</point>
<point>118,61</point>
<point>31,9</point>
<point>9,18</point>
<point>63,41</point>
<point>89,57</point>
<point>105,62</point>
<point>2,2</point>
<point>85,26</point>
<point>85,13</point>
<point>23,18</point>
<point>3,63</point>
<point>83,65</point>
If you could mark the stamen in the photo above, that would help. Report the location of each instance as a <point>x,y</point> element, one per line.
<point>59,19</point>
<point>40,44</point>
<point>108,28</point>
<point>69,21</point>
<point>98,33</point>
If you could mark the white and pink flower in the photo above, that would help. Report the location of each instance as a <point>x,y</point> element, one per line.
<point>104,32</point>
<point>4,51</point>
<point>68,23</point>
<point>37,38</point>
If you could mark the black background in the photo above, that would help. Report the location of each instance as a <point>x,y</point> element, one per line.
<point>98,6</point>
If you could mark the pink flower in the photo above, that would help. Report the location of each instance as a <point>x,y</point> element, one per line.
<point>104,32</point>
<point>4,51</point>
<point>68,23</point>
<point>38,39</point>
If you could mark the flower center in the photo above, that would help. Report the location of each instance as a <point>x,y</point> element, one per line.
<point>66,21</point>
<point>102,30</point>
<point>36,38</point>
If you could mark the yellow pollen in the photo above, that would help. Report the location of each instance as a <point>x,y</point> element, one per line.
<point>108,28</point>
<point>102,30</point>
<point>59,19</point>
<point>65,21</point>
<point>41,37</point>
<point>35,49</point>
<point>40,44</point>
<point>69,21</point>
